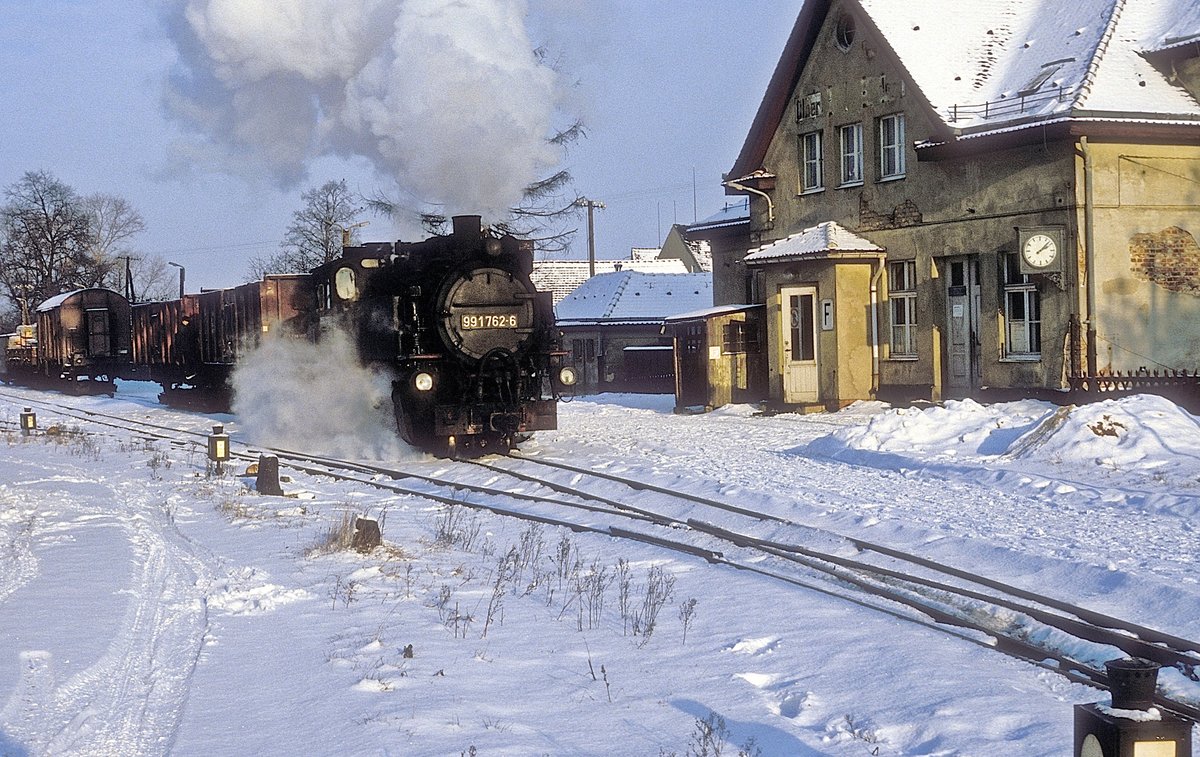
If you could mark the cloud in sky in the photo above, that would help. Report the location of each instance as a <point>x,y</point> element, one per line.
<point>448,100</point>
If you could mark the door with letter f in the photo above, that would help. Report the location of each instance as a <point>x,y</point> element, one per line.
<point>798,342</point>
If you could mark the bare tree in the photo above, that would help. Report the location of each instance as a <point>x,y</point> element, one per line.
<point>114,222</point>
<point>316,233</point>
<point>152,279</point>
<point>45,248</point>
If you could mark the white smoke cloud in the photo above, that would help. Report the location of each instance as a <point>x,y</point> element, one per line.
<point>316,398</point>
<point>447,99</point>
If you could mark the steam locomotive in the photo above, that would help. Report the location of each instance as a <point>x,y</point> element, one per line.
<point>472,348</point>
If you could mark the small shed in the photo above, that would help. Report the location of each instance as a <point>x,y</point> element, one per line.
<point>612,326</point>
<point>718,356</point>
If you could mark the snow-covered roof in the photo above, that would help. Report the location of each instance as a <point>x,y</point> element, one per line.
<point>982,63</point>
<point>561,277</point>
<point>57,300</point>
<point>732,214</point>
<point>821,240</point>
<point>635,297</point>
<point>712,312</point>
<point>991,65</point>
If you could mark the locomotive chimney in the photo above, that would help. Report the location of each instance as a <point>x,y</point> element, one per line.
<point>468,228</point>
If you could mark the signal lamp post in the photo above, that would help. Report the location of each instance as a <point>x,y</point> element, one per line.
<point>1130,726</point>
<point>28,421</point>
<point>218,447</point>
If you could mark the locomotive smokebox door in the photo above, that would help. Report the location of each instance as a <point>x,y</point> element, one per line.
<point>486,310</point>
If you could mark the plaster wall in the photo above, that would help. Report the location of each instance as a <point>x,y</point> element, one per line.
<point>956,205</point>
<point>1147,257</point>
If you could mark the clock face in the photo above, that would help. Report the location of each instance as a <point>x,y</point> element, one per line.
<point>1040,250</point>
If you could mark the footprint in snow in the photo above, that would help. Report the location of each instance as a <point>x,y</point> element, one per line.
<point>764,645</point>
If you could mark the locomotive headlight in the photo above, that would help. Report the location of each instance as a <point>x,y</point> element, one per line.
<point>423,382</point>
<point>567,376</point>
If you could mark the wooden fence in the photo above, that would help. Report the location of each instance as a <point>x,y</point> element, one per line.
<point>1181,387</point>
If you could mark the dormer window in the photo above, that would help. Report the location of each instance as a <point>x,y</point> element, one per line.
<point>844,31</point>
<point>1043,76</point>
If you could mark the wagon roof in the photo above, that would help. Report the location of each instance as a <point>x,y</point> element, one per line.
<point>58,299</point>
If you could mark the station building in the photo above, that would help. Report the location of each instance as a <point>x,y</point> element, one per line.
<point>950,197</point>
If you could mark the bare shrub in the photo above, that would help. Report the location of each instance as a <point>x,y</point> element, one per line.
<point>624,580</point>
<point>590,587</point>
<point>337,536</point>
<point>506,571</point>
<point>711,736</point>
<point>659,586</point>
<point>457,526</point>
<point>687,612</point>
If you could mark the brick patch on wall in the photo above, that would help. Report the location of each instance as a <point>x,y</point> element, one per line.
<point>905,214</point>
<point>1169,258</point>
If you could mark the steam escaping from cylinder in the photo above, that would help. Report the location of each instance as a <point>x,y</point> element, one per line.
<point>316,398</point>
<point>449,100</point>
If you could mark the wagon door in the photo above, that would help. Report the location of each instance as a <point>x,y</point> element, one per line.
<point>99,336</point>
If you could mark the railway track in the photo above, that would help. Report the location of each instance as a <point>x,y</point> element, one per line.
<point>975,608</point>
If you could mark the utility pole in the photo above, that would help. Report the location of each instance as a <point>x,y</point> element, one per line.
<point>181,275</point>
<point>129,293</point>
<point>591,206</point>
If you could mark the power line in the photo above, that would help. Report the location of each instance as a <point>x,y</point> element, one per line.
<point>217,247</point>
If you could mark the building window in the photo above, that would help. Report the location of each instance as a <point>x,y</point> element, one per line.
<point>891,146</point>
<point>844,32</point>
<point>739,338</point>
<point>811,169</point>
<point>1022,313</point>
<point>852,154</point>
<point>902,294</point>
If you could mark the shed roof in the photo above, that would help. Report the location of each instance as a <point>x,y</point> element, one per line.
<point>635,297</point>
<point>561,277</point>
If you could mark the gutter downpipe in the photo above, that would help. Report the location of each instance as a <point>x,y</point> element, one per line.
<point>770,204</point>
<point>875,279</point>
<point>1089,254</point>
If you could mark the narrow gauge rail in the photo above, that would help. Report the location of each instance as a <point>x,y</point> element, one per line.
<point>933,599</point>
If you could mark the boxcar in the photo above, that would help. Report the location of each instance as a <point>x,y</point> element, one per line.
<point>195,341</point>
<point>83,335</point>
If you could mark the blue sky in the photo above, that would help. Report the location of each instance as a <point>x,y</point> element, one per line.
<point>667,90</point>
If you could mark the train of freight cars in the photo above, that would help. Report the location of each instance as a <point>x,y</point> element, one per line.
<point>475,358</point>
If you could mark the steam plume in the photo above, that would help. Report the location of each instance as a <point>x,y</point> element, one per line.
<point>316,398</point>
<point>448,99</point>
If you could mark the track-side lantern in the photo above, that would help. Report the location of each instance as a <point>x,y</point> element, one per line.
<point>218,445</point>
<point>28,420</point>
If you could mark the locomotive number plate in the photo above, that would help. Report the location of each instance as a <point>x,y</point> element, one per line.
<point>472,321</point>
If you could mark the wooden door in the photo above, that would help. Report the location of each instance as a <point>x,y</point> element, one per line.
<point>801,382</point>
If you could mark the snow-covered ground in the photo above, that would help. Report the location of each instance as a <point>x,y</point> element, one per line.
<point>147,607</point>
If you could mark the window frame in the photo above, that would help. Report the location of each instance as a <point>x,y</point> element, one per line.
<point>1025,330</point>
<point>891,137</point>
<point>902,299</point>
<point>853,156</point>
<point>814,160</point>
